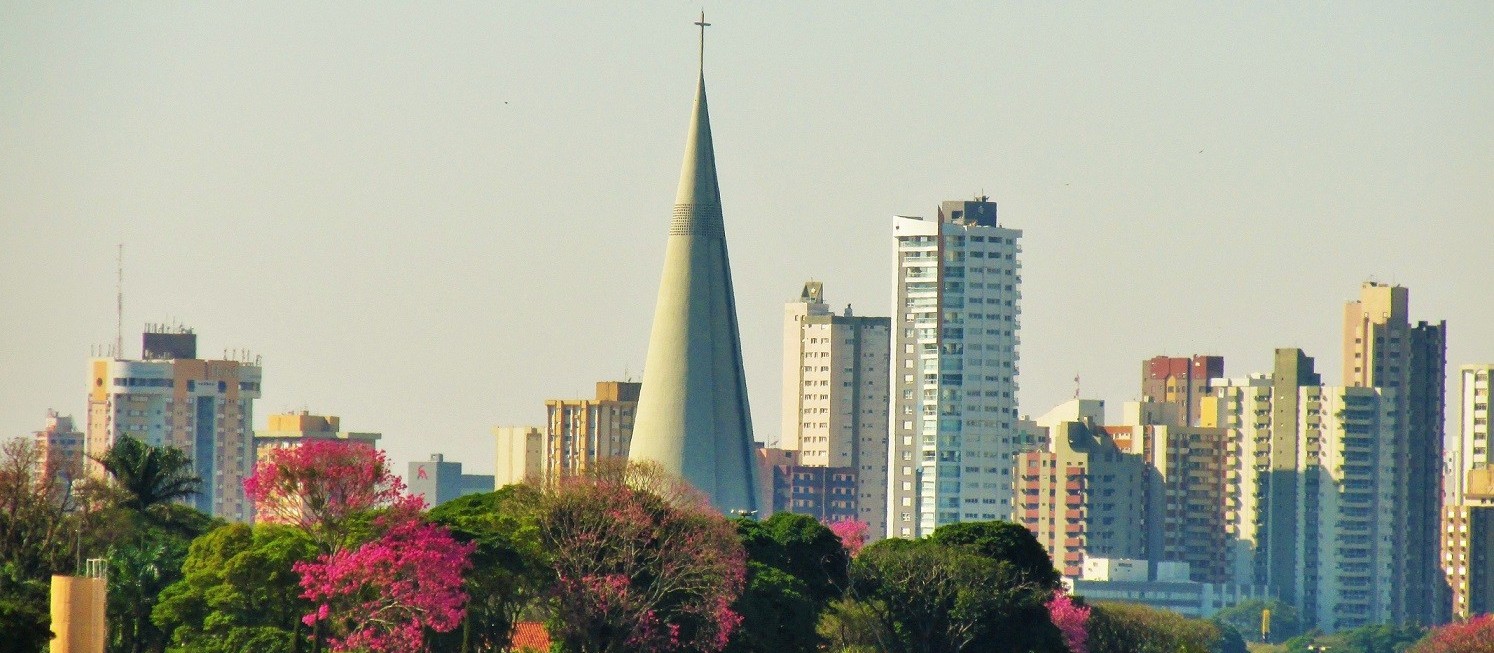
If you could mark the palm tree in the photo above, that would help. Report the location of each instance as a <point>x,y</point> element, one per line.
<point>152,475</point>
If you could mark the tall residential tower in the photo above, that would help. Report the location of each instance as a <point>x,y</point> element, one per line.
<point>956,315</point>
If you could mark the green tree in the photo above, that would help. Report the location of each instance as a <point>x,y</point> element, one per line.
<point>933,598</point>
<point>1376,638</point>
<point>796,566</point>
<point>510,568</point>
<point>1005,541</point>
<point>1132,628</point>
<point>38,530</point>
<point>151,475</point>
<point>238,592</point>
<point>1245,617</point>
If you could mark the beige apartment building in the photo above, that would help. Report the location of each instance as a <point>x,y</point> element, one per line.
<point>577,433</point>
<point>172,398</point>
<point>835,376</point>
<point>1383,349</point>
<point>59,446</point>
<point>1078,495</point>
<point>1468,516</point>
<point>290,429</point>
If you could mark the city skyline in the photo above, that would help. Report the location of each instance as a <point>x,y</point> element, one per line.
<point>388,237</point>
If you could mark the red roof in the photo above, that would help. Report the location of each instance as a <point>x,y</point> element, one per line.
<point>529,636</point>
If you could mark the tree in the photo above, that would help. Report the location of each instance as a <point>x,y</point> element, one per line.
<point>510,568</point>
<point>1473,636</point>
<point>852,534</point>
<point>1374,638</point>
<point>796,566</point>
<point>1132,628</point>
<point>151,475</point>
<point>36,531</point>
<point>1245,617</point>
<point>1072,619</point>
<point>930,597</point>
<point>1006,541</point>
<point>641,563</point>
<point>382,595</point>
<point>320,486</point>
<point>238,592</point>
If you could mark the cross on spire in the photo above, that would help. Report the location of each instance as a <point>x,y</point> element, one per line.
<point>703,24</point>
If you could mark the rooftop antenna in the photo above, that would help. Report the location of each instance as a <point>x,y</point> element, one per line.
<point>1076,386</point>
<point>119,304</point>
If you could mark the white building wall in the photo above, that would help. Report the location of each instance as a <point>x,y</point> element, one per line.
<point>954,415</point>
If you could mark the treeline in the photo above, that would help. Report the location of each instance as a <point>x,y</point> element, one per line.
<point>622,558</point>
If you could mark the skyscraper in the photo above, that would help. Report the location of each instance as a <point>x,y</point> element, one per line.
<point>60,448</point>
<point>203,407</point>
<point>692,411</point>
<point>1382,349</point>
<point>835,398</point>
<point>954,431</point>
<point>1468,516</point>
<point>1180,383</point>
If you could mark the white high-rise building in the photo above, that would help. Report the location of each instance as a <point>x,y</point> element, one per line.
<point>835,394</point>
<point>956,315</point>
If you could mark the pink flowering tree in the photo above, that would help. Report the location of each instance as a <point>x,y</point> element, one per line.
<point>381,596</point>
<point>319,485</point>
<point>1072,620</point>
<point>383,574</point>
<point>1473,636</point>
<point>852,533</point>
<point>641,564</point>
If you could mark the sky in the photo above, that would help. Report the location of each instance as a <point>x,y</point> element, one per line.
<point>429,218</point>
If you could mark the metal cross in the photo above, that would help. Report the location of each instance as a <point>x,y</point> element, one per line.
<point>703,24</point>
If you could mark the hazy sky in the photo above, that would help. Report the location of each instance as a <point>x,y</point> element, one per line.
<point>428,219</point>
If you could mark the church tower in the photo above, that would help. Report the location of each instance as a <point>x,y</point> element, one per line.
<point>692,410</point>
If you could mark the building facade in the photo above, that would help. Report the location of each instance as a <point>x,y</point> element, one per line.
<point>956,314</point>
<point>1162,585</point>
<point>438,480</point>
<point>1317,473</point>
<point>835,374</point>
<point>1468,516</point>
<point>521,455</point>
<point>1079,496</point>
<point>579,432</point>
<point>60,447</point>
<point>1181,383</point>
<point>1185,492</point>
<point>293,428</point>
<point>171,398</point>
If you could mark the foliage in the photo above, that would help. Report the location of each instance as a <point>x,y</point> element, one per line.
<point>1005,541</point>
<point>238,592</point>
<point>1132,628</point>
<point>796,566</point>
<point>510,568</point>
<point>1382,638</point>
<point>151,475</point>
<point>1072,619</point>
<point>1473,636</point>
<point>853,534</point>
<point>778,613</point>
<point>851,626</point>
<point>319,486</point>
<point>929,597</point>
<point>36,534</point>
<point>641,564</point>
<point>1245,617</point>
<point>381,596</point>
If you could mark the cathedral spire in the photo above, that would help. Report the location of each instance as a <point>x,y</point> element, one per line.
<point>692,415</point>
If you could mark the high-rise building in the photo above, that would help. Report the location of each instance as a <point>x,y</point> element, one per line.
<point>1382,349</point>
<point>1079,496</point>
<point>521,454</point>
<point>835,402</point>
<point>954,422</point>
<point>693,417</point>
<point>1187,487</point>
<point>1468,516</point>
<point>1315,499</point>
<point>293,428</point>
<point>60,447</point>
<point>203,407</point>
<point>1180,383</point>
<point>579,432</point>
<point>438,480</point>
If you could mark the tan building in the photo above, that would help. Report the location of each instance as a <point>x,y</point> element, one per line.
<point>1079,495</point>
<point>521,455</point>
<point>1468,516</point>
<point>171,398</point>
<point>78,611</point>
<point>1383,349</point>
<point>293,428</point>
<point>1179,383</point>
<point>60,447</point>
<point>835,399</point>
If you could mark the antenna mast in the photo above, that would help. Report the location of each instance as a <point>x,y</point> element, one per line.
<point>119,304</point>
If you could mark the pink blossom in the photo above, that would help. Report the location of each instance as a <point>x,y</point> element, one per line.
<point>1071,619</point>
<point>852,533</point>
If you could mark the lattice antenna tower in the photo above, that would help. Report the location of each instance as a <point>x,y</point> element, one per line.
<point>119,303</point>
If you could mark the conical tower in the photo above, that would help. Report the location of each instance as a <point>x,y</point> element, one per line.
<point>692,411</point>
